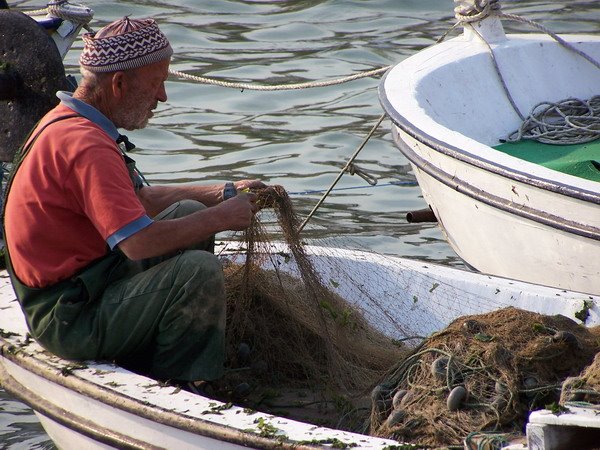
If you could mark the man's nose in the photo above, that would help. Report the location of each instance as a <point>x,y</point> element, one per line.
<point>162,94</point>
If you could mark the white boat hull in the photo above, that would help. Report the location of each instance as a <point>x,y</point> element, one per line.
<point>484,217</point>
<point>502,215</point>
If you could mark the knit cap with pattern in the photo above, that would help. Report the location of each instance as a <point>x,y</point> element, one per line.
<point>124,44</point>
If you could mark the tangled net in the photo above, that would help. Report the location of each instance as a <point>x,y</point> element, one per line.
<point>585,387</point>
<point>570,121</point>
<point>301,334</point>
<point>482,373</point>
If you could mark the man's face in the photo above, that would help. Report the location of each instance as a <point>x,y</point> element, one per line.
<point>145,88</point>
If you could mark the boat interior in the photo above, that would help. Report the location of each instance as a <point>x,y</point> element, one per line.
<point>460,83</point>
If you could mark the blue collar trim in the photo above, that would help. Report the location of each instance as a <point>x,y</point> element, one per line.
<point>89,112</point>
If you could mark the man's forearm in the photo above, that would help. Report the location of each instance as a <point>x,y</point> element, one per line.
<point>182,233</point>
<point>163,237</point>
<point>157,198</point>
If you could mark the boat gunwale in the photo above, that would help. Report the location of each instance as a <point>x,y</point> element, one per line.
<point>472,159</point>
<point>494,201</point>
<point>143,409</point>
<point>69,420</point>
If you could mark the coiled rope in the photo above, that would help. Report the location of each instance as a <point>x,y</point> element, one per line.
<point>570,121</point>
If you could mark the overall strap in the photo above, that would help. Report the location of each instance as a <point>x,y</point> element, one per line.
<point>23,151</point>
<point>19,157</point>
<point>84,285</point>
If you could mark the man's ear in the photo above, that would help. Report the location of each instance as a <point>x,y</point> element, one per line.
<point>119,85</point>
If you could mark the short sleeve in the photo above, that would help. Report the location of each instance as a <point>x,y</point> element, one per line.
<point>99,182</point>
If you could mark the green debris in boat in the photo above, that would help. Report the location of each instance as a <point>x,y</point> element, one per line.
<point>7,334</point>
<point>334,442</point>
<point>557,409</point>
<point>216,409</point>
<point>584,312</point>
<point>68,369</point>
<point>266,428</point>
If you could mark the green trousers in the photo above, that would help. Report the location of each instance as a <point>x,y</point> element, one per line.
<point>163,317</point>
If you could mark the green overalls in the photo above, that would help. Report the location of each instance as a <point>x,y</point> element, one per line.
<point>163,317</point>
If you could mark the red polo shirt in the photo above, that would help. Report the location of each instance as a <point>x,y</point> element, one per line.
<point>70,194</point>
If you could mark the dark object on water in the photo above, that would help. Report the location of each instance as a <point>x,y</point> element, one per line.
<point>3,4</point>
<point>421,215</point>
<point>32,68</point>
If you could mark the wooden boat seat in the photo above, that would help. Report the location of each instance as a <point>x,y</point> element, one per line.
<point>581,160</point>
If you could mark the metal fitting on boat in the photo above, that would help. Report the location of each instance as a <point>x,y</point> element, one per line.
<point>421,215</point>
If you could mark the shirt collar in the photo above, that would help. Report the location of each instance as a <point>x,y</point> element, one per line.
<point>89,112</point>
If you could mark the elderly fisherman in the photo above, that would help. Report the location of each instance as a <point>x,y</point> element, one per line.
<point>104,267</point>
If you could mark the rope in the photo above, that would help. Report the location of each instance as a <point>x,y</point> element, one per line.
<point>278,87</point>
<point>509,96</point>
<point>353,169</point>
<point>344,169</point>
<point>488,440</point>
<point>468,11</point>
<point>62,9</point>
<point>350,188</point>
<point>570,121</point>
<point>36,12</point>
<point>554,36</point>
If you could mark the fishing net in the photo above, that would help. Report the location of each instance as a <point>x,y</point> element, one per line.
<point>585,387</point>
<point>481,373</point>
<point>302,337</point>
<point>314,329</point>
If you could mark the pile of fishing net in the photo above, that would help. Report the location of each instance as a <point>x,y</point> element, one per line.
<point>309,354</point>
<point>482,373</point>
<point>585,387</point>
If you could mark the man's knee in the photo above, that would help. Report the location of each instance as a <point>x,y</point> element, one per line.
<point>185,208</point>
<point>201,285</point>
<point>180,209</point>
<point>199,267</point>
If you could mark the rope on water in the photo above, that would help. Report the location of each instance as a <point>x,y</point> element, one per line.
<point>278,87</point>
<point>349,188</point>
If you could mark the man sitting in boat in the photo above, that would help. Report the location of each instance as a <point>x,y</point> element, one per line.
<point>104,267</point>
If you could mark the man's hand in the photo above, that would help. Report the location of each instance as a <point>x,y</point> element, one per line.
<point>166,236</point>
<point>249,184</point>
<point>238,211</point>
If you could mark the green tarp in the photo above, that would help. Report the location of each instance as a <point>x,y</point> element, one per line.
<point>581,160</point>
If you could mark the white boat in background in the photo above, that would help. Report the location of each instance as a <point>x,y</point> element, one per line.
<point>95,405</point>
<point>502,215</point>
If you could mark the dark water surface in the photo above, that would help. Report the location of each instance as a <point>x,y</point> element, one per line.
<point>299,139</point>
